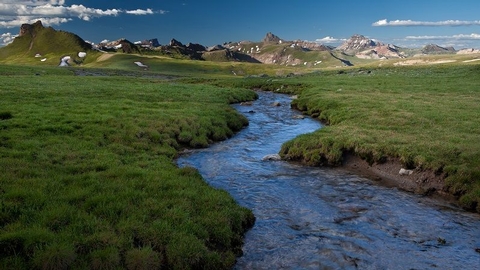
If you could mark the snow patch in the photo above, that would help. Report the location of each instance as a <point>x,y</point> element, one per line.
<point>140,64</point>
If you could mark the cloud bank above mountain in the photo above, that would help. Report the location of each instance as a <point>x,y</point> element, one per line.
<point>55,12</point>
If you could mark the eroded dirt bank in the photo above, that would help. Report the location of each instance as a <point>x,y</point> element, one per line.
<point>392,173</point>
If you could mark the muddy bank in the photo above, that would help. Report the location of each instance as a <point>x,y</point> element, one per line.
<point>392,173</point>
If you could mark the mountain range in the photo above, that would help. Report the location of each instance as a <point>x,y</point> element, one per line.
<point>35,40</point>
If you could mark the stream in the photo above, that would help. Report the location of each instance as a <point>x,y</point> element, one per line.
<point>324,218</point>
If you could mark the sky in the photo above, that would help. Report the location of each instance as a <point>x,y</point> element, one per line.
<point>407,23</point>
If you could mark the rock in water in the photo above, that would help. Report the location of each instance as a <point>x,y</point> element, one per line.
<point>272,157</point>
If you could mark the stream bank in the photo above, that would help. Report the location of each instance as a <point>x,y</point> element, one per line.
<point>314,217</point>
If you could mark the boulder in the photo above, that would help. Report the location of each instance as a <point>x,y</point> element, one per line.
<point>276,104</point>
<point>405,172</point>
<point>272,157</point>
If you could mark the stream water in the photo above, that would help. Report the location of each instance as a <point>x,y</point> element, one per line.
<point>322,218</point>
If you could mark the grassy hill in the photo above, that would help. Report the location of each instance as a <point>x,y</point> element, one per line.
<point>45,43</point>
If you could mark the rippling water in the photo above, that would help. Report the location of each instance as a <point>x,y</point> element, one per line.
<point>321,218</point>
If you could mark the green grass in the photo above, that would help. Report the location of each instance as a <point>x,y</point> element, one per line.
<point>87,177</point>
<point>87,172</point>
<point>427,117</point>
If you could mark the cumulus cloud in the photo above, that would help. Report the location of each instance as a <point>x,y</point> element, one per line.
<point>385,22</point>
<point>14,13</point>
<point>6,38</point>
<point>330,40</point>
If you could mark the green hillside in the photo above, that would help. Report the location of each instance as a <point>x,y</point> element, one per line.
<point>47,44</point>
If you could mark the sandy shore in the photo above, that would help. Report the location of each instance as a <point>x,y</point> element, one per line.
<point>422,182</point>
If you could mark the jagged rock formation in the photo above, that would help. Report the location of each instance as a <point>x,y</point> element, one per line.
<point>312,46</point>
<point>122,44</point>
<point>271,38</point>
<point>196,47</point>
<point>366,48</point>
<point>274,50</point>
<point>128,47</point>
<point>357,43</point>
<point>30,29</point>
<point>154,42</point>
<point>175,43</point>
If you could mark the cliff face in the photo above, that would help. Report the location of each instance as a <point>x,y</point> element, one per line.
<point>30,29</point>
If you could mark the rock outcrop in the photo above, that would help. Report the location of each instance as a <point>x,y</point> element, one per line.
<point>435,49</point>
<point>271,38</point>
<point>365,48</point>
<point>175,43</point>
<point>30,29</point>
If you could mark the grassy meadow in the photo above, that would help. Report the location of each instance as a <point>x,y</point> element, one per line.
<point>88,179</point>
<point>427,117</point>
<point>87,171</point>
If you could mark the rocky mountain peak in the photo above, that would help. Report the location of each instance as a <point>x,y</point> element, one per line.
<point>271,38</point>
<point>358,43</point>
<point>175,42</point>
<point>29,29</point>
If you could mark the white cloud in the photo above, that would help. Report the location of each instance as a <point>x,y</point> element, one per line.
<point>26,19</point>
<point>6,38</point>
<point>15,13</point>
<point>139,12</point>
<point>385,22</point>
<point>330,40</point>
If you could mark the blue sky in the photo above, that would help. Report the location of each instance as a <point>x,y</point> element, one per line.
<point>407,23</point>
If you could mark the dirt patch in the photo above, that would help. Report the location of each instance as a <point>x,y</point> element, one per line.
<point>424,182</point>
<point>105,57</point>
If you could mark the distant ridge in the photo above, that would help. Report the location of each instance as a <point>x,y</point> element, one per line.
<point>365,48</point>
<point>37,43</point>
